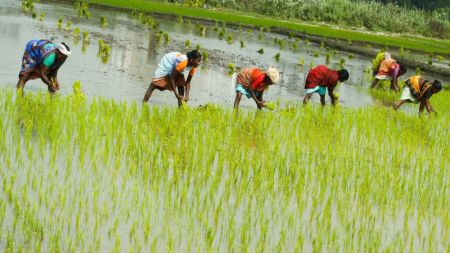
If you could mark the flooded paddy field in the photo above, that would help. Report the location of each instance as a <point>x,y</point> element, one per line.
<point>136,51</point>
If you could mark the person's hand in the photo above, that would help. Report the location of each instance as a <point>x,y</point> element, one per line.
<point>261,104</point>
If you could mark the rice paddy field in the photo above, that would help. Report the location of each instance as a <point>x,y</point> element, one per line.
<point>93,169</point>
<point>104,176</point>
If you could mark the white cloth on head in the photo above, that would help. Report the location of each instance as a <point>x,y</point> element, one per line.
<point>63,49</point>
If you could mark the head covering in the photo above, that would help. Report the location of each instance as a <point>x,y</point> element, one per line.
<point>64,49</point>
<point>273,74</point>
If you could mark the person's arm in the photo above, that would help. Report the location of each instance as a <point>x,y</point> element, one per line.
<point>42,71</point>
<point>53,76</point>
<point>258,103</point>
<point>173,77</point>
<point>331,94</point>
<point>307,98</point>
<point>429,107</point>
<point>188,87</point>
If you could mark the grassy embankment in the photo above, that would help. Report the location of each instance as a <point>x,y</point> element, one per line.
<point>232,16</point>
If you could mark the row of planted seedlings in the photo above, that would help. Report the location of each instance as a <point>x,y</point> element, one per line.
<point>106,175</point>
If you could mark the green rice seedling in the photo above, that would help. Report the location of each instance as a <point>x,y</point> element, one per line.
<point>134,12</point>
<point>349,42</point>
<point>42,17</point>
<point>301,64</point>
<point>351,56</point>
<point>104,51</point>
<point>260,51</point>
<point>198,47</point>
<point>166,38</point>
<point>316,54</point>
<point>342,63</point>
<point>59,23</point>
<point>328,59</point>
<point>401,52</point>
<point>76,32</point>
<point>103,22</point>
<point>242,43</point>
<point>277,57</point>
<point>440,58</point>
<point>322,44</point>
<point>68,25</point>
<point>205,56</point>
<point>221,35</point>
<point>430,59</point>
<point>418,71</point>
<point>85,37</point>
<point>33,15</point>
<point>27,6</point>
<point>231,69</point>
<point>294,47</point>
<point>229,39</point>
<point>260,36</point>
<point>82,9</point>
<point>180,19</point>
<point>311,65</point>
<point>271,105</point>
<point>187,44</point>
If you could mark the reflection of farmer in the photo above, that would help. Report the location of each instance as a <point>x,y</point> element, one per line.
<point>42,59</point>
<point>419,90</point>
<point>252,82</point>
<point>389,69</point>
<point>170,74</point>
<point>320,79</point>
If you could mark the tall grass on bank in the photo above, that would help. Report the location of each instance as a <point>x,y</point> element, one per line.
<point>88,176</point>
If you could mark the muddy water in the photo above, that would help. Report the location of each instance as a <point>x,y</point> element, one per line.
<point>135,54</point>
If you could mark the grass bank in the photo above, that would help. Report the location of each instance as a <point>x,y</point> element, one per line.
<point>231,16</point>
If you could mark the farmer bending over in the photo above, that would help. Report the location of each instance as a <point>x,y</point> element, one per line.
<point>381,56</point>
<point>252,82</point>
<point>320,79</point>
<point>42,59</point>
<point>170,74</point>
<point>419,90</point>
<point>389,69</point>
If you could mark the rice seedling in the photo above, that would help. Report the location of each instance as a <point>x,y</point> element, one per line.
<point>76,32</point>
<point>205,56</point>
<point>82,9</point>
<point>301,64</point>
<point>401,52</point>
<point>134,12</point>
<point>277,57</point>
<point>229,39</point>
<point>180,19</point>
<point>418,71</point>
<point>231,69</point>
<point>187,44</point>
<point>242,43</point>
<point>28,7</point>
<point>59,23</point>
<point>341,63</point>
<point>260,51</point>
<point>68,25</point>
<point>430,59</point>
<point>328,59</point>
<point>166,38</point>
<point>33,15</point>
<point>85,37</point>
<point>351,56</point>
<point>316,54</point>
<point>42,17</point>
<point>103,22</point>
<point>104,51</point>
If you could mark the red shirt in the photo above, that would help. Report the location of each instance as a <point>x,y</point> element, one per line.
<point>321,76</point>
<point>254,77</point>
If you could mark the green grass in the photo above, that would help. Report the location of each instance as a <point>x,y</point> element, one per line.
<point>82,177</point>
<point>427,45</point>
